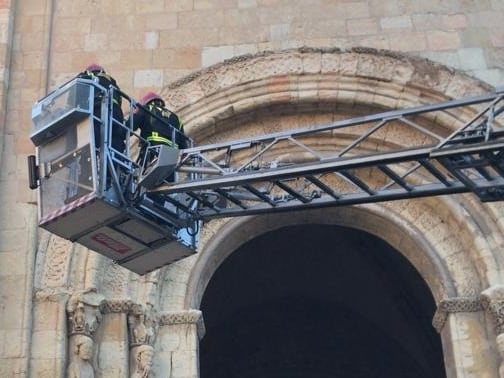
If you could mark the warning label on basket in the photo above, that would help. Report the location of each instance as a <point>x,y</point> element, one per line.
<point>110,243</point>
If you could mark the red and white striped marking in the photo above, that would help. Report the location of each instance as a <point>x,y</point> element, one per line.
<point>68,208</point>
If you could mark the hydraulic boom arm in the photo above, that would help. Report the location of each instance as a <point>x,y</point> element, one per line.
<point>145,213</point>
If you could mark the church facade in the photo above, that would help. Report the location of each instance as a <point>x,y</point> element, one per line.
<point>409,288</point>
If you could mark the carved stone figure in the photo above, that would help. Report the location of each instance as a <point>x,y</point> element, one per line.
<point>79,319</point>
<point>140,331</point>
<point>84,314</point>
<point>143,356</point>
<point>81,366</point>
<point>142,326</point>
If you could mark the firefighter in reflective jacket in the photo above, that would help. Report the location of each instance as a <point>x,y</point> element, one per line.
<point>158,124</point>
<point>96,72</point>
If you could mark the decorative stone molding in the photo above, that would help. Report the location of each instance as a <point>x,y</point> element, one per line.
<point>224,89</point>
<point>117,306</point>
<point>183,317</point>
<point>57,261</point>
<point>490,300</point>
<point>453,305</point>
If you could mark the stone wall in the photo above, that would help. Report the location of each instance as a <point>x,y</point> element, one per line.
<point>172,46</point>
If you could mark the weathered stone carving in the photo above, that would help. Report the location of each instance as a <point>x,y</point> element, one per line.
<point>84,316</point>
<point>143,325</point>
<point>84,313</point>
<point>56,262</point>
<point>81,366</point>
<point>142,356</point>
<point>115,281</point>
<point>500,347</point>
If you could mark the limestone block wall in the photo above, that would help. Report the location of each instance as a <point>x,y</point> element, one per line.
<point>154,44</point>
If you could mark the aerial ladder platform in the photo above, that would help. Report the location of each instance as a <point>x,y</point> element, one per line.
<point>146,213</point>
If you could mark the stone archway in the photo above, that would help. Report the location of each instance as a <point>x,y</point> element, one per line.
<point>318,300</point>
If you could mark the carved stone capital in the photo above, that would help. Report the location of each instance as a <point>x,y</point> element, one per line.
<point>453,305</point>
<point>183,317</point>
<point>83,311</point>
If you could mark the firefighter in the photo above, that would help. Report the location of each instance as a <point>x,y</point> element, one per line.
<point>159,125</point>
<point>96,72</point>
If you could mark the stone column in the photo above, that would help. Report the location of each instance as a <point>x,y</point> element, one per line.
<point>84,317</point>
<point>49,335</point>
<point>466,348</point>
<point>113,354</point>
<point>492,300</point>
<point>178,343</point>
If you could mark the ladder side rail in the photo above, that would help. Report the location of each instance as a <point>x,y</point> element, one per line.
<point>392,114</point>
<point>294,170</point>
<point>346,200</point>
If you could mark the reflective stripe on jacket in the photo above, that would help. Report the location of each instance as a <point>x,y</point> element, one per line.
<point>156,138</point>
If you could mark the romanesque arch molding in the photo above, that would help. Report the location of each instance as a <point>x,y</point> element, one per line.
<point>359,76</point>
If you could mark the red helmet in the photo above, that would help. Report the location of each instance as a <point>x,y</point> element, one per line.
<point>95,68</point>
<point>151,96</point>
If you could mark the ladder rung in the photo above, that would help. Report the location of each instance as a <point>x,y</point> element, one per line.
<point>435,172</point>
<point>257,193</point>
<point>231,198</point>
<point>322,186</point>
<point>291,191</point>
<point>358,182</point>
<point>395,177</point>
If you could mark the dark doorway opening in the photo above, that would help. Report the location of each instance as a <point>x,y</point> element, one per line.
<point>318,301</point>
